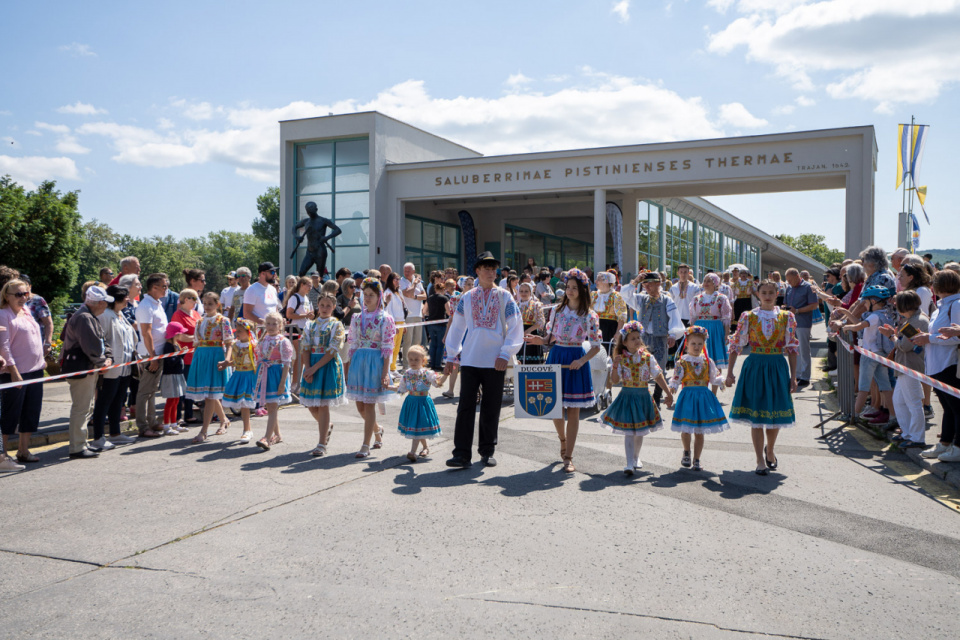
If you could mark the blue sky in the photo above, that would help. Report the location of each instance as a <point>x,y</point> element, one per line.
<point>165,115</point>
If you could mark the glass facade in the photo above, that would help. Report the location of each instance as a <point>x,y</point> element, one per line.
<point>336,176</point>
<point>431,245</point>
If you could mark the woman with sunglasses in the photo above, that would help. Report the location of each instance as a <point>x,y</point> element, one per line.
<point>22,349</point>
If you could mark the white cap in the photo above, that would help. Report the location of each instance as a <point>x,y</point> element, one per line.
<point>97,294</point>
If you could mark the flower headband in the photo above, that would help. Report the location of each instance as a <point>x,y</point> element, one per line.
<point>579,275</point>
<point>630,327</point>
<point>697,330</point>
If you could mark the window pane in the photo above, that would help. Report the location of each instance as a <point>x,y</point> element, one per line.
<point>353,178</point>
<point>412,232</point>
<point>352,205</point>
<point>353,258</point>
<point>354,152</point>
<point>354,232</point>
<point>315,155</point>
<point>450,237</point>
<point>315,181</point>
<point>324,206</point>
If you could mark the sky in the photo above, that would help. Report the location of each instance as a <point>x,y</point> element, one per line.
<point>164,116</point>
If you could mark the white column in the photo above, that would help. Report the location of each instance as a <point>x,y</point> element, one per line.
<point>631,234</point>
<point>599,230</point>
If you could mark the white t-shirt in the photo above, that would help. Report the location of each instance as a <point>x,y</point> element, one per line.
<point>226,296</point>
<point>414,306</point>
<point>263,298</point>
<point>151,311</point>
<point>304,306</point>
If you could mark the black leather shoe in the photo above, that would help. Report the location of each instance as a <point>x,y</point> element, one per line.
<point>86,453</point>
<point>459,463</point>
<point>488,461</point>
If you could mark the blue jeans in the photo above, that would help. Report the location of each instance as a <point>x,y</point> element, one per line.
<point>435,336</point>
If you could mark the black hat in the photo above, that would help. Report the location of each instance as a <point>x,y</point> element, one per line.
<point>485,258</point>
<point>266,266</point>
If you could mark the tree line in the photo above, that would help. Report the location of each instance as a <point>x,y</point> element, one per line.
<point>44,235</point>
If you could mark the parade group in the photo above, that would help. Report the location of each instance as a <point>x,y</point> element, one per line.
<point>375,336</point>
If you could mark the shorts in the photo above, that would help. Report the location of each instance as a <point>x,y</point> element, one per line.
<point>873,370</point>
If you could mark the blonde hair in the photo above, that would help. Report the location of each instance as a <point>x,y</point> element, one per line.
<point>8,289</point>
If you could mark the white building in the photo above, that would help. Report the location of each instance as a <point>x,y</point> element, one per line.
<point>400,194</point>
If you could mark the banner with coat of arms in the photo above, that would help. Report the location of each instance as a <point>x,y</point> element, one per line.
<point>539,392</point>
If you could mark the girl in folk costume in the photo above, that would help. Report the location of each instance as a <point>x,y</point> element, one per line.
<point>370,342</point>
<point>659,315</point>
<point>711,310</point>
<point>418,416</point>
<point>633,413</point>
<point>572,322</point>
<point>274,361</point>
<point>322,383</point>
<point>531,310</point>
<point>240,389</point>
<point>762,400</point>
<point>698,411</point>
<point>209,371</point>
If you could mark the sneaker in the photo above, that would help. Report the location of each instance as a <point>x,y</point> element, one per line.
<point>952,454</point>
<point>685,460</point>
<point>928,411</point>
<point>9,464</point>
<point>170,431</point>
<point>936,451</point>
<point>122,439</point>
<point>103,444</point>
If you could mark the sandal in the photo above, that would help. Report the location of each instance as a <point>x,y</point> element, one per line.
<point>200,438</point>
<point>363,453</point>
<point>319,450</point>
<point>378,444</point>
<point>222,429</point>
<point>425,452</point>
<point>264,444</point>
<point>411,456</point>
<point>568,465</point>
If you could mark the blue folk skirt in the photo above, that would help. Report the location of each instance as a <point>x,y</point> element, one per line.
<point>762,399</point>
<point>365,379</point>
<point>577,385</point>
<point>239,392</point>
<point>698,411</point>
<point>418,418</point>
<point>205,380</point>
<point>632,413</point>
<point>327,387</point>
<point>716,340</point>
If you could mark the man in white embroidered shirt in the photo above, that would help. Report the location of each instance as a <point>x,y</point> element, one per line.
<point>486,331</point>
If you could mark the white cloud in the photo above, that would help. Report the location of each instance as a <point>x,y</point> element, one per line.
<point>81,109</point>
<point>622,9</point>
<point>883,51</point>
<point>30,171</point>
<point>736,115</point>
<point>79,50</point>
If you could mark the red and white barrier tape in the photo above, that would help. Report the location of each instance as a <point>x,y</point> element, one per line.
<point>64,376</point>
<point>925,379</point>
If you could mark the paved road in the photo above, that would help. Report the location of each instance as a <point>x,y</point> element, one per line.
<point>166,539</point>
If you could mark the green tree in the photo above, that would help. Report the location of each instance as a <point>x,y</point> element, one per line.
<point>266,226</point>
<point>41,235</point>
<point>98,249</point>
<point>814,246</point>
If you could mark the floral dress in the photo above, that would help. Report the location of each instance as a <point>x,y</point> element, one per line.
<point>418,416</point>
<point>763,399</point>
<point>326,388</point>
<point>568,330</point>
<point>633,413</point>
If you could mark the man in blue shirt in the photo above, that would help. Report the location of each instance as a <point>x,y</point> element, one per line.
<point>801,300</point>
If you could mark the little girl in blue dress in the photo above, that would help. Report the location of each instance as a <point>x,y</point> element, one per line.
<point>698,411</point>
<point>633,414</point>
<point>418,416</point>
<point>239,392</point>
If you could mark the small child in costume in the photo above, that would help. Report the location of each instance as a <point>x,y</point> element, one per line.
<point>698,411</point>
<point>633,412</point>
<point>172,383</point>
<point>239,392</point>
<point>418,416</point>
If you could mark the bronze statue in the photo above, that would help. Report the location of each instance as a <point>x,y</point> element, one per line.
<point>315,228</point>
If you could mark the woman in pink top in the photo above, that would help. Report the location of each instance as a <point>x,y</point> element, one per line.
<point>21,345</point>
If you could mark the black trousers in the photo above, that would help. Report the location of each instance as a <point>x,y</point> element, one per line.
<point>472,380</point>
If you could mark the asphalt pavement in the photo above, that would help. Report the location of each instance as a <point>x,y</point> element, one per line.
<point>161,539</point>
